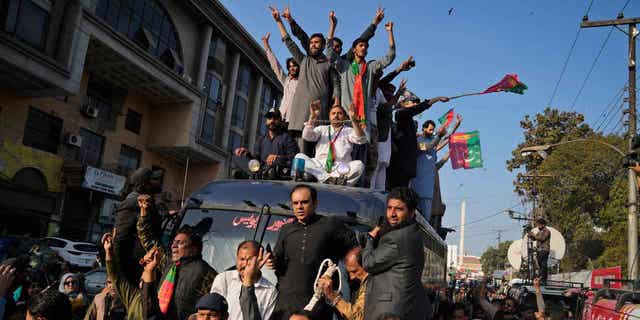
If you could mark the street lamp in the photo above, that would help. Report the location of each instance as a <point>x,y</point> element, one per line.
<point>632,217</point>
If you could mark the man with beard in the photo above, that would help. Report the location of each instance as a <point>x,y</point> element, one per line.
<point>428,146</point>
<point>126,243</point>
<point>394,259</point>
<point>251,296</point>
<point>300,249</point>
<point>353,309</point>
<point>318,80</point>
<point>334,145</point>
<point>289,82</point>
<point>185,276</point>
<point>336,46</point>
<point>276,147</point>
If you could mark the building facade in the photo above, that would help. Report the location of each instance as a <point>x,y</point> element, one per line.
<point>91,90</point>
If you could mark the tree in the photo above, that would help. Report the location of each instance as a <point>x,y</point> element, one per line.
<point>495,258</point>
<point>581,180</point>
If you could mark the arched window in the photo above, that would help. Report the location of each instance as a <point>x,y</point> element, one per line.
<point>147,23</point>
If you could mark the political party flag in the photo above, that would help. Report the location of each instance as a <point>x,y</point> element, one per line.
<point>465,150</point>
<point>446,118</point>
<point>509,83</point>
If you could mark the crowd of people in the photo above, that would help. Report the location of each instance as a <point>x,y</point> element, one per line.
<point>384,273</point>
<point>344,119</point>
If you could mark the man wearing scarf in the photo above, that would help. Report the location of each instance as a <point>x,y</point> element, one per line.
<point>185,275</point>
<point>358,87</point>
<point>394,259</point>
<point>334,145</point>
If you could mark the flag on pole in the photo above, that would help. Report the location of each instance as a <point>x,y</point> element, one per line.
<point>465,150</point>
<point>509,83</point>
<point>446,118</point>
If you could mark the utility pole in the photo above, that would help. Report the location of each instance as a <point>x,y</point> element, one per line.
<point>499,238</point>
<point>632,216</point>
<point>463,213</point>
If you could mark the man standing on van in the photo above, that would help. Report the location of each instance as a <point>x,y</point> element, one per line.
<point>394,259</point>
<point>300,249</point>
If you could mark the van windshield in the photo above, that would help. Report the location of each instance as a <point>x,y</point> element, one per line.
<point>223,230</point>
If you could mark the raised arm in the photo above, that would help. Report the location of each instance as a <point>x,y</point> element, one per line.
<point>273,62</point>
<point>369,32</point>
<point>404,66</point>
<point>379,259</point>
<point>310,132</point>
<point>148,238</point>
<point>391,54</point>
<point>296,30</point>
<point>293,48</point>
<point>444,160</point>
<point>359,136</point>
<point>445,140</point>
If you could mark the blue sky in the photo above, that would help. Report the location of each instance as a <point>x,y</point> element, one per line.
<point>467,51</point>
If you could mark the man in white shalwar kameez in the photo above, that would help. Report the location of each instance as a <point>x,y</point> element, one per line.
<point>333,148</point>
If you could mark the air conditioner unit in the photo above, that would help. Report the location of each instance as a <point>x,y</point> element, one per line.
<point>73,140</point>
<point>90,111</point>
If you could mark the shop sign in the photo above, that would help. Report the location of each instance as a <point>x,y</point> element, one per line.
<point>103,181</point>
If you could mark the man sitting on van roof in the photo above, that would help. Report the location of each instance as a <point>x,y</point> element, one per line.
<point>275,147</point>
<point>334,146</point>
<point>252,296</point>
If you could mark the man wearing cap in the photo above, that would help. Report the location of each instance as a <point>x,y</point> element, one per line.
<point>126,243</point>
<point>211,306</point>
<point>543,245</point>
<point>333,148</point>
<point>276,147</point>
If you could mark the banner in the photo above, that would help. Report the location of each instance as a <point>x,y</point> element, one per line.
<point>599,275</point>
<point>103,181</point>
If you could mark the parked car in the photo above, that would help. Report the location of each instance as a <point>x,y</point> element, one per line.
<point>81,254</point>
<point>94,281</point>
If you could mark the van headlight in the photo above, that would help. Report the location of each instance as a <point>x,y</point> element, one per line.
<point>254,165</point>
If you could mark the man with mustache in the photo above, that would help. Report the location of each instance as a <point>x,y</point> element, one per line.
<point>251,296</point>
<point>300,249</point>
<point>354,308</point>
<point>394,259</point>
<point>334,145</point>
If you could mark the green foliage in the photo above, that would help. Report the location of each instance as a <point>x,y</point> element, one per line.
<point>583,191</point>
<point>494,258</point>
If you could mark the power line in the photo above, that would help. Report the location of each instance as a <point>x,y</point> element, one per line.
<point>606,113</point>
<point>593,65</point>
<point>566,61</point>
<point>625,5</point>
<point>487,217</point>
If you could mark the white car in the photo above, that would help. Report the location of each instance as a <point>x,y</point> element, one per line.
<point>81,254</point>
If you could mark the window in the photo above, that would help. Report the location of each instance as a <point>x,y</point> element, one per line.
<point>55,243</point>
<point>265,105</point>
<point>42,131</point>
<point>215,59</point>
<point>214,100</point>
<point>91,150</point>
<point>147,23</point>
<point>244,77</point>
<point>129,159</point>
<point>133,121</point>
<point>235,140</point>
<point>25,20</point>
<point>239,112</point>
